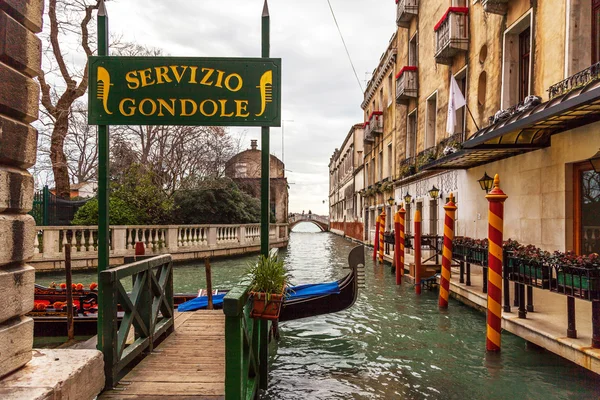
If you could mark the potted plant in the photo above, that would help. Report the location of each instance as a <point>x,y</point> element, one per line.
<point>267,289</point>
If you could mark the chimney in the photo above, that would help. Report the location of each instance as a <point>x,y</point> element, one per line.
<point>253,144</point>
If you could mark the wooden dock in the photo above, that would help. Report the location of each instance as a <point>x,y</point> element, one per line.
<point>189,364</point>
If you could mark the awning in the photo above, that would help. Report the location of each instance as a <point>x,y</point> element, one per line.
<point>526,131</point>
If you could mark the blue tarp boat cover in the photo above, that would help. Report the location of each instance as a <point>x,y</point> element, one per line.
<point>294,292</point>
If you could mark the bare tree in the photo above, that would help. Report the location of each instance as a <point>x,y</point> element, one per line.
<point>61,83</point>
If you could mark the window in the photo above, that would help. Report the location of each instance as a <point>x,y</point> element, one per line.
<point>459,3</point>
<point>390,89</point>
<point>411,135</point>
<point>524,60</point>
<point>433,217</point>
<point>390,161</point>
<point>516,66</point>
<point>241,170</point>
<point>587,209</point>
<point>380,166</point>
<point>431,121</point>
<point>367,176</point>
<point>461,120</point>
<point>595,31</point>
<point>413,54</point>
<point>408,225</point>
<point>381,103</point>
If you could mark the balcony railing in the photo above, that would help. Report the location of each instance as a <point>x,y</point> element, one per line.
<point>407,10</point>
<point>495,6</point>
<point>373,125</point>
<point>452,34</point>
<point>407,84</point>
<point>581,78</point>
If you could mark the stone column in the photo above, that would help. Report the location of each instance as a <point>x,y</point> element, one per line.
<point>20,60</point>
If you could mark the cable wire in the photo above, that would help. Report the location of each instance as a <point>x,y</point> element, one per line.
<point>345,47</point>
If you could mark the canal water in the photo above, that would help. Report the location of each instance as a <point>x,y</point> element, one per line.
<point>391,344</point>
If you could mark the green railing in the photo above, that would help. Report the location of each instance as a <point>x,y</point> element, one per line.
<point>246,346</point>
<point>148,307</point>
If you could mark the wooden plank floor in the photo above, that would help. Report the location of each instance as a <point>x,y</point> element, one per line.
<point>189,364</point>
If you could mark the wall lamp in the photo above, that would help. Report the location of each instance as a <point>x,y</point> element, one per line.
<point>486,183</point>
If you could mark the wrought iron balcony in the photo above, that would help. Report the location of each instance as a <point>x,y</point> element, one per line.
<point>373,125</point>
<point>452,34</point>
<point>407,84</point>
<point>581,78</point>
<point>407,10</point>
<point>495,6</point>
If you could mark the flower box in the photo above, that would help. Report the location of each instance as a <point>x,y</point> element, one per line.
<point>266,306</point>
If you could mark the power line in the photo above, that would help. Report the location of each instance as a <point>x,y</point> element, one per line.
<point>345,47</point>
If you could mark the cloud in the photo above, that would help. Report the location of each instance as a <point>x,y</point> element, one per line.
<point>320,92</point>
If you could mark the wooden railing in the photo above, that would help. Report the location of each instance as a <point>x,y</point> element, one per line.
<point>246,346</point>
<point>148,308</point>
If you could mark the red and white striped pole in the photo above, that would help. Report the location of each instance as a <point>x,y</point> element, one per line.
<point>376,239</point>
<point>450,209</point>
<point>496,199</point>
<point>381,238</point>
<point>417,248</point>
<point>399,244</point>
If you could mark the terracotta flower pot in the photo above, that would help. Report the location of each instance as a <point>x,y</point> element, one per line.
<point>266,309</point>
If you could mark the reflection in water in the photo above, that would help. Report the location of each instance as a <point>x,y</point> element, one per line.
<point>391,344</point>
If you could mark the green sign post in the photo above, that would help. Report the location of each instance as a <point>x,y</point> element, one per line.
<point>180,91</point>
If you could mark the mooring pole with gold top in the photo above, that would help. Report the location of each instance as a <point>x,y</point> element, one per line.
<point>381,236</point>
<point>449,219</point>
<point>417,247</point>
<point>399,220</point>
<point>376,240</point>
<point>496,199</point>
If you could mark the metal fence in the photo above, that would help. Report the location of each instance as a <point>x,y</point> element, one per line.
<point>51,210</point>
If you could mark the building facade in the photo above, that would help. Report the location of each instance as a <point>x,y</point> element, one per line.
<point>346,180</point>
<point>245,170</point>
<point>529,74</point>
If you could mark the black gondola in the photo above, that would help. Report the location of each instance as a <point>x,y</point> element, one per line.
<point>330,303</point>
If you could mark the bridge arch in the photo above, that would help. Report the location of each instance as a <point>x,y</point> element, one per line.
<point>320,221</point>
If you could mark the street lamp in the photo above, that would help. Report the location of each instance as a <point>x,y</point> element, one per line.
<point>434,193</point>
<point>486,183</point>
<point>595,161</point>
<point>407,198</point>
<point>390,201</point>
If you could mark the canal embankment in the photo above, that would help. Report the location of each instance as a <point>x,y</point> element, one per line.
<point>183,242</point>
<point>545,326</point>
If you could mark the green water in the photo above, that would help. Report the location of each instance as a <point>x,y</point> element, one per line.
<point>391,344</point>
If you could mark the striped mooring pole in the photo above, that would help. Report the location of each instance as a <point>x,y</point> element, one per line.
<point>450,209</point>
<point>417,248</point>
<point>381,231</point>
<point>496,199</point>
<point>376,240</point>
<point>399,220</point>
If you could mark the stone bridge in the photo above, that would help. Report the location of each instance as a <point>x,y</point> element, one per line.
<point>321,221</point>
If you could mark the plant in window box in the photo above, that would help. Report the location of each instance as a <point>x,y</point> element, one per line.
<point>267,289</point>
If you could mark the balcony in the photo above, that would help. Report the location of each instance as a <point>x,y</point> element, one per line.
<point>373,125</point>
<point>452,35</point>
<point>495,6</point>
<point>407,84</point>
<point>407,10</point>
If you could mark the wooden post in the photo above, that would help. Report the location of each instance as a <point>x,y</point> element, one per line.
<point>399,244</point>
<point>450,209</point>
<point>417,248</point>
<point>208,283</point>
<point>496,199</point>
<point>70,322</point>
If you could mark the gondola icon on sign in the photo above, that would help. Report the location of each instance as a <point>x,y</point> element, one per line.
<point>266,91</point>
<point>103,87</point>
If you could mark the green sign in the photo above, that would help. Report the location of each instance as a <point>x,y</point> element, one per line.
<point>184,91</point>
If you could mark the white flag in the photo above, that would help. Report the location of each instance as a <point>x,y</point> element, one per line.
<point>456,101</point>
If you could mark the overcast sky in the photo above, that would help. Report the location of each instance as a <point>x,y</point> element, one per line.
<point>320,92</point>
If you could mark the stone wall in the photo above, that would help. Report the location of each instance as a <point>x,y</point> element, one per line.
<point>20,60</point>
